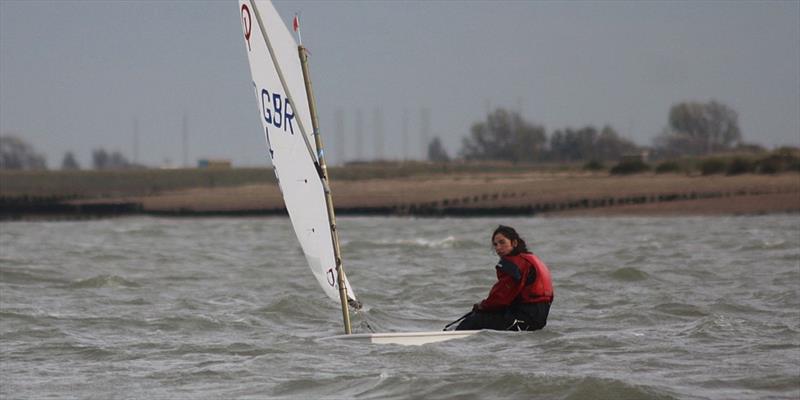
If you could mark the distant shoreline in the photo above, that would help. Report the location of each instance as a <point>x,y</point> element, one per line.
<point>454,193</point>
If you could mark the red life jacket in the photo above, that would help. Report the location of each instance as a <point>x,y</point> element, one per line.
<point>537,288</point>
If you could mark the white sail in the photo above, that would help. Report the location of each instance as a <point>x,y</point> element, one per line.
<point>285,116</point>
<point>284,112</point>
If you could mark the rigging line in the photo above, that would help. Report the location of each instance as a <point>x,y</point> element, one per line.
<point>458,320</point>
<point>364,319</point>
<point>297,112</point>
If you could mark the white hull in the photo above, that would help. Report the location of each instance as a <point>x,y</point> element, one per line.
<point>406,338</point>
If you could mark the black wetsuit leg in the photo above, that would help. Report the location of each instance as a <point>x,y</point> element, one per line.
<point>534,315</point>
<point>486,320</point>
<point>522,317</point>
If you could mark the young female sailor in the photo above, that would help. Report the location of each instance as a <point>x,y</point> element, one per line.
<point>521,297</point>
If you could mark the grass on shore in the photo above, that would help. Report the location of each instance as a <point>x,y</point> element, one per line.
<point>145,182</point>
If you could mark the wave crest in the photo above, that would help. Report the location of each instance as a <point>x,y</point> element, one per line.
<point>103,281</point>
<point>629,274</point>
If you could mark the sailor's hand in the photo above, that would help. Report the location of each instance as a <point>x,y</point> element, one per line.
<point>354,303</point>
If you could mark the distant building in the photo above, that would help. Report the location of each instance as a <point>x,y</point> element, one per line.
<point>640,156</point>
<point>214,163</point>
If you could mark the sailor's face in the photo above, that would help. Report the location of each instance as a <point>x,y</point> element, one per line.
<point>502,245</point>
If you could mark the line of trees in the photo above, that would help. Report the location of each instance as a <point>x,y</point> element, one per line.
<point>506,136</point>
<point>16,154</point>
<point>589,144</point>
<point>694,128</point>
<point>101,159</point>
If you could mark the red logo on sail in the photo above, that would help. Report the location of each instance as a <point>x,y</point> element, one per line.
<point>331,279</point>
<point>247,24</point>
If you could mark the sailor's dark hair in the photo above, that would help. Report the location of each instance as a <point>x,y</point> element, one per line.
<point>512,235</point>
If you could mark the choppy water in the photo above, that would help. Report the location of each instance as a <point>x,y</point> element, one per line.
<point>689,308</point>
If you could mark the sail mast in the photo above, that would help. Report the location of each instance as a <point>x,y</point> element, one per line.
<point>312,106</point>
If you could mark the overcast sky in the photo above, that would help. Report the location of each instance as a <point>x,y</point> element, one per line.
<point>76,75</point>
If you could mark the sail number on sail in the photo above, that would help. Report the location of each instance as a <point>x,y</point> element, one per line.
<point>277,110</point>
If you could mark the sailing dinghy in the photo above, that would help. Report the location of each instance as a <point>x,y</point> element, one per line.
<point>287,110</point>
